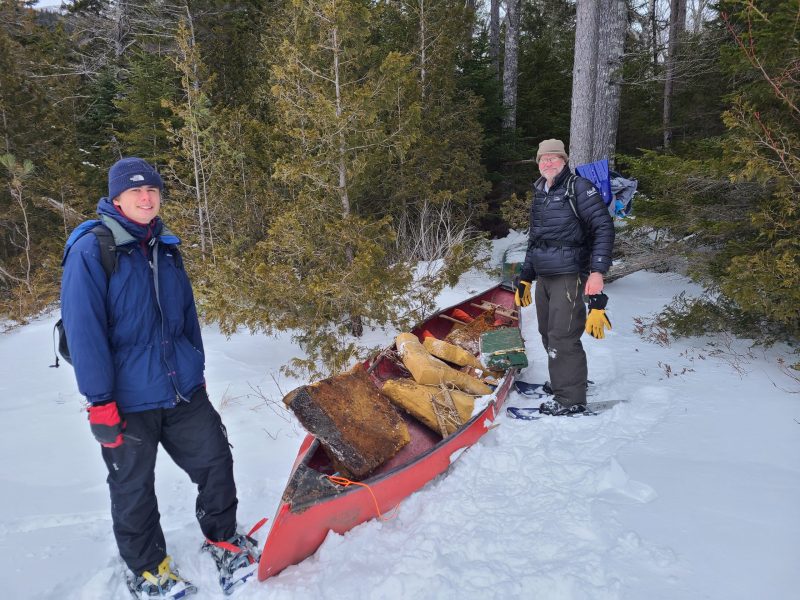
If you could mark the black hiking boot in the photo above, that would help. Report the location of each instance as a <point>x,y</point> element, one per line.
<point>546,389</point>
<point>555,408</point>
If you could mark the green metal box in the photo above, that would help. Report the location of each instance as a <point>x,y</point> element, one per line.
<point>503,348</point>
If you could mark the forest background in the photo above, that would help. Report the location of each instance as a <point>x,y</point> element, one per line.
<point>317,151</point>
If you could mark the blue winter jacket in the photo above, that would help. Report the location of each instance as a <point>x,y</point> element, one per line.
<point>130,340</point>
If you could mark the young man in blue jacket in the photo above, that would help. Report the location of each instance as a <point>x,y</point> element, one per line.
<point>135,343</point>
<point>569,250</point>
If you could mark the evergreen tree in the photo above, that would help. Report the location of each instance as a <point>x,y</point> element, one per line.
<point>349,107</point>
<point>697,92</point>
<point>438,179</point>
<point>546,49</point>
<point>764,146</point>
<point>95,124</point>
<point>192,165</point>
<point>36,128</point>
<point>738,194</point>
<point>325,259</point>
<point>228,34</point>
<point>143,116</point>
<point>546,53</point>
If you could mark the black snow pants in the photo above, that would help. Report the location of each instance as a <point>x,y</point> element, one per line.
<point>561,314</point>
<point>192,433</point>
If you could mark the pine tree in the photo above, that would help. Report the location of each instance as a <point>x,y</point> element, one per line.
<point>143,116</point>
<point>192,166</point>
<point>325,260</point>
<point>228,35</point>
<point>546,56</point>
<point>738,193</point>
<point>436,183</point>
<point>323,266</point>
<point>220,171</point>
<point>36,128</point>
<point>764,145</point>
<point>95,123</point>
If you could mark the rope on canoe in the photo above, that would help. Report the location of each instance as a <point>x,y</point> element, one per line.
<point>344,482</point>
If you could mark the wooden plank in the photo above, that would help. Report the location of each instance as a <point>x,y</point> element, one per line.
<point>500,310</point>
<point>448,318</point>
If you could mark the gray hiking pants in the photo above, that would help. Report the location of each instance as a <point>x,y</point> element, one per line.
<point>561,313</point>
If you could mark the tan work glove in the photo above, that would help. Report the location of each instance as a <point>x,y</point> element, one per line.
<point>597,321</point>
<point>522,295</point>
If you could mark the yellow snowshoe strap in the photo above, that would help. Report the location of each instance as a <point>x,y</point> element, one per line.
<point>164,573</point>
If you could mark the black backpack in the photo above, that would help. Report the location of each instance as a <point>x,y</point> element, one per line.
<point>108,258</point>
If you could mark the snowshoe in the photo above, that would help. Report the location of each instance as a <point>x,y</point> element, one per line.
<point>165,582</point>
<point>236,559</point>
<point>534,413</point>
<point>555,408</point>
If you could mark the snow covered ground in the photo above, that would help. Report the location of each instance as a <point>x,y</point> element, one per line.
<point>691,489</point>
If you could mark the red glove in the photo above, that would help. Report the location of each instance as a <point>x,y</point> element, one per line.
<point>105,424</point>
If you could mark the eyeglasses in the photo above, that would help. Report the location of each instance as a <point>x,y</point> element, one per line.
<point>550,159</point>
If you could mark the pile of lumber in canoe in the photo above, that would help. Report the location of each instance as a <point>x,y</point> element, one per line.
<point>359,425</point>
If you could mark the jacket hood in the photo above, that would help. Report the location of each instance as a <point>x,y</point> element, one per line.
<point>105,207</point>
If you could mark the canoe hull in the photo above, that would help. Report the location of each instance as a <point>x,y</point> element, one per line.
<point>298,530</point>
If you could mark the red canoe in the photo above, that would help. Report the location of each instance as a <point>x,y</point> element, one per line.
<point>312,505</point>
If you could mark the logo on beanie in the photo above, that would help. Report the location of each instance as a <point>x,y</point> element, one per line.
<point>137,178</point>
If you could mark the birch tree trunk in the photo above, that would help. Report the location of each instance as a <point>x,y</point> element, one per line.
<point>201,176</point>
<point>610,46</point>
<point>342,162</point>
<point>494,37</point>
<point>677,24</point>
<point>584,82</point>
<point>510,65</point>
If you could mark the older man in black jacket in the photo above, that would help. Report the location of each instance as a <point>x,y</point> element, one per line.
<point>569,250</point>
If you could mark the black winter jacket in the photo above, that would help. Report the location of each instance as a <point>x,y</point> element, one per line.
<point>560,243</point>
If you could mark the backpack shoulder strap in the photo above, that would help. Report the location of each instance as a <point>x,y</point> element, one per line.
<point>571,196</point>
<point>77,234</point>
<point>108,248</point>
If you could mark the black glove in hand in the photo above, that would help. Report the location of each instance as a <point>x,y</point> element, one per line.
<point>106,424</point>
<point>597,321</point>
